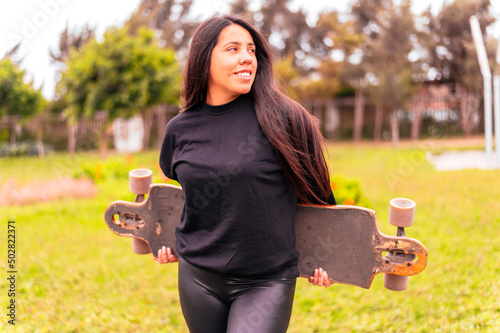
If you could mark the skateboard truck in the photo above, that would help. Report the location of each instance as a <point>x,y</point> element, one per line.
<point>401,215</point>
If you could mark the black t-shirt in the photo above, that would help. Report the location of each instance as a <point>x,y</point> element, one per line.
<point>239,217</point>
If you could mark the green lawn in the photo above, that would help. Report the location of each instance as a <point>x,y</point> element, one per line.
<point>74,275</point>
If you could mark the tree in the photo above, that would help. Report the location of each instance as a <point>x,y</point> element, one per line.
<point>288,32</point>
<point>18,100</point>
<point>68,41</point>
<point>390,37</point>
<point>341,68</point>
<point>241,8</point>
<point>451,54</point>
<point>122,75</point>
<point>170,19</point>
<point>12,53</point>
<point>339,41</point>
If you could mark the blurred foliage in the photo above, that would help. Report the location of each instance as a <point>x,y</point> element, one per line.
<point>447,38</point>
<point>25,148</point>
<point>348,192</point>
<point>451,52</point>
<point>378,51</point>
<point>18,100</point>
<point>122,75</point>
<point>101,171</point>
<point>170,20</point>
<point>71,40</point>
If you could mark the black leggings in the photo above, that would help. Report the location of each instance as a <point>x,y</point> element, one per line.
<point>214,304</point>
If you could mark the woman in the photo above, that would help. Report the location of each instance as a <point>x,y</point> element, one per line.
<point>245,155</point>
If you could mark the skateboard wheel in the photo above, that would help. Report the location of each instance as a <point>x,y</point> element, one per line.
<point>395,282</point>
<point>139,181</point>
<point>140,247</point>
<point>402,212</point>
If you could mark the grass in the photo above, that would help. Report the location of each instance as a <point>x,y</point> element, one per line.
<point>74,275</point>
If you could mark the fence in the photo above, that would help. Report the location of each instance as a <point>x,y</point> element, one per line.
<point>439,117</point>
<point>56,132</point>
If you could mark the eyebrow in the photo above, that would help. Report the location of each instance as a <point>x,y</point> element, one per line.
<point>237,43</point>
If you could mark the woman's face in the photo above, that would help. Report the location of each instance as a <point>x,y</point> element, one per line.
<point>233,65</point>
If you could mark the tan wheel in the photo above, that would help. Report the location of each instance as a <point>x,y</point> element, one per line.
<point>395,282</point>
<point>402,212</point>
<point>139,181</point>
<point>140,247</point>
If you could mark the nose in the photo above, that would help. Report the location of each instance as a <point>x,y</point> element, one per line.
<point>246,58</point>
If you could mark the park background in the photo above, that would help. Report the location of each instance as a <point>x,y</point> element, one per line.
<point>391,86</point>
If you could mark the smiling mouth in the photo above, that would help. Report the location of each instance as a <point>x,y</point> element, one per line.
<point>243,74</point>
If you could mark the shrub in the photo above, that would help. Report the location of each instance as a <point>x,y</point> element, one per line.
<point>348,192</point>
<point>27,148</point>
<point>100,171</point>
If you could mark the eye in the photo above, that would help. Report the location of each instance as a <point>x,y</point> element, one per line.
<point>233,48</point>
<point>251,50</point>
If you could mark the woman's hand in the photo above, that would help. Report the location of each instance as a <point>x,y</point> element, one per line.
<point>320,278</point>
<point>165,256</point>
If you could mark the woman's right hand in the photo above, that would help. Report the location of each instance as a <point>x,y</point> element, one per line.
<point>165,256</point>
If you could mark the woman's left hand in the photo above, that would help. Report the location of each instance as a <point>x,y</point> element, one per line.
<point>320,278</point>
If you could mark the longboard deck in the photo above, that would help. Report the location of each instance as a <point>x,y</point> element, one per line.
<point>343,240</point>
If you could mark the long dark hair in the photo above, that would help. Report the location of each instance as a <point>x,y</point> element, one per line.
<point>292,131</point>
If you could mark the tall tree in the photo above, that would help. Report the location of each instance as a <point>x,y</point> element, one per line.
<point>341,68</point>
<point>12,53</point>
<point>123,75</point>
<point>303,59</point>
<point>390,36</point>
<point>290,34</point>
<point>241,8</point>
<point>170,19</point>
<point>69,40</point>
<point>451,53</point>
<point>18,100</point>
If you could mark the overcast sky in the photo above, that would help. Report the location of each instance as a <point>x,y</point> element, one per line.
<point>39,23</point>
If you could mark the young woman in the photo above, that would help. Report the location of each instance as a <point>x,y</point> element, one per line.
<point>245,155</point>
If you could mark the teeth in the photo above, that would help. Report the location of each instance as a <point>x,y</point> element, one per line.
<point>243,74</point>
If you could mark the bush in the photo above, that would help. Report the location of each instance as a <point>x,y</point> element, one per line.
<point>100,171</point>
<point>28,148</point>
<point>348,192</point>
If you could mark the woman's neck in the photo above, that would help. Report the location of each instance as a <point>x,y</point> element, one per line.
<point>219,99</point>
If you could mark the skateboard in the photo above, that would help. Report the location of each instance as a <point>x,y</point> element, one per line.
<point>344,240</point>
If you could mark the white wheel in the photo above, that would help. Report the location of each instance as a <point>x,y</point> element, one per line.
<point>139,181</point>
<point>402,212</point>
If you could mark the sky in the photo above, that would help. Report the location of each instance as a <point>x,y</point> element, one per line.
<point>38,23</point>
